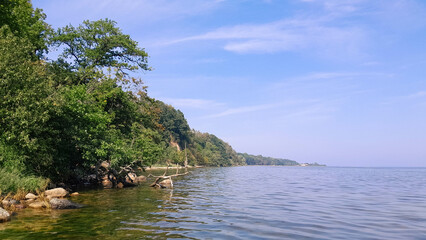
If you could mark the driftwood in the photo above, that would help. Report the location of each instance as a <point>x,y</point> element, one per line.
<point>157,182</point>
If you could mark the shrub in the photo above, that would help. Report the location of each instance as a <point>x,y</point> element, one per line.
<point>13,182</point>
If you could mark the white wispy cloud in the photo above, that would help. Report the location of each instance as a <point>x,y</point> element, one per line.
<point>192,103</point>
<point>245,109</point>
<point>285,35</point>
<point>419,94</point>
<point>323,78</point>
<point>258,108</point>
<point>126,11</point>
<point>329,31</point>
<point>416,97</point>
<point>338,6</point>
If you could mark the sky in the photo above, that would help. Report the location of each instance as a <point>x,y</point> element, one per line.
<point>337,82</point>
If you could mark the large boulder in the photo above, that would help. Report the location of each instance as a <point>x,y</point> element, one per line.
<point>30,196</point>
<point>56,193</point>
<point>56,203</point>
<point>131,178</point>
<point>4,215</point>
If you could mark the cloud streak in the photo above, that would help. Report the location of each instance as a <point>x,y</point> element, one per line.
<point>258,108</point>
<point>192,103</point>
<point>285,35</point>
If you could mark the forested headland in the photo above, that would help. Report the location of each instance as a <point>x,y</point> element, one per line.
<point>261,160</point>
<point>61,117</point>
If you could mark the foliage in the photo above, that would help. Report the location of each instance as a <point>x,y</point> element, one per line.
<point>25,22</point>
<point>261,160</point>
<point>61,118</point>
<point>12,182</point>
<point>95,45</point>
<point>176,128</point>
<point>25,102</point>
<point>214,151</point>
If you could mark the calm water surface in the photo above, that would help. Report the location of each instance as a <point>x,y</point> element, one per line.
<point>245,203</point>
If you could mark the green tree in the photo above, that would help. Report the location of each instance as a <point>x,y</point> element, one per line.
<point>96,45</point>
<point>175,126</point>
<point>25,104</point>
<point>25,22</point>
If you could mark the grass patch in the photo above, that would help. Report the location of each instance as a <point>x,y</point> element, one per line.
<point>17,183</point>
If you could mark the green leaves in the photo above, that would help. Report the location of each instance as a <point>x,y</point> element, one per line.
<point>96,45</point>
<point>20,19</point>
<point>60,118</point>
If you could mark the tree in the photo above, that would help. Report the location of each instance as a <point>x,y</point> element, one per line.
<point>175,126</point>
<point>25,104</point>
<point>97,45</point>
<point>25,22</point>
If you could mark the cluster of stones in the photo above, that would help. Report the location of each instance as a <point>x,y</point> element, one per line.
<point>53,198</point>
<point>131,180</point>
<point>110,181</point>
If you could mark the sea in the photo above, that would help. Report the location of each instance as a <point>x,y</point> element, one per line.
<point>249,202</point>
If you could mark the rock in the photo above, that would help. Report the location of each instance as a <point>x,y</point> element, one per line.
<point>5,203</point>
<point>19,206</point>
<point>131,178</point>
<point>30,196</point>
<point>56,193</point>
<point>91,178</point>
<point>37,205</point>
<point>9,202</point>
<point>120,185</point>
<point>29,201</point>
<point>56,203</point>
<point>74,194</point>
<point>140,179</point>
<point>4,215</point>
<point>107,183</point>
<point>167,183</point>
<point>105,164</point>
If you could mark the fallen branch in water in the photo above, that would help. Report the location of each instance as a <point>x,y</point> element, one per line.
<point>167,180</point>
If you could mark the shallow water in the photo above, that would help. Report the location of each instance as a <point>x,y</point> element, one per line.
<point>256,202</point>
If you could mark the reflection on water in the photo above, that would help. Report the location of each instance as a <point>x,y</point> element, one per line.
<point>245,203</point>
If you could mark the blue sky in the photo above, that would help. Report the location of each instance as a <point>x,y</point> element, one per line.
<point>332,81</point>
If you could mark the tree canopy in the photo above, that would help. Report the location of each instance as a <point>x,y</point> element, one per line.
<point>96,45</point>
<point>19,18</point>
<point>60,118</point>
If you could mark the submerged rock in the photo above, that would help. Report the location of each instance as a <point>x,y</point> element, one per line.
<point>4,215</point>
<point>167,183</point>
<point>56,193</point>
<point>37,205</point>
<point>19,206</point>
<point>74,194</point>
<point>140,179</point>
<point>56,203</point>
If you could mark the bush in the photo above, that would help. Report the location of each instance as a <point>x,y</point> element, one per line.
<point>12,182</point>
